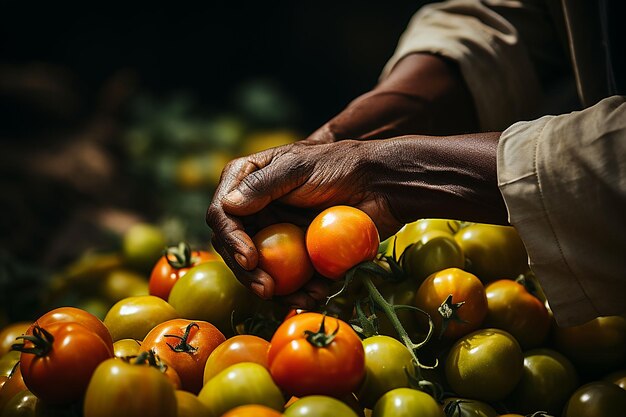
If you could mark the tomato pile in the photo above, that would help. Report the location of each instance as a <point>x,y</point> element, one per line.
<point>442,319</point>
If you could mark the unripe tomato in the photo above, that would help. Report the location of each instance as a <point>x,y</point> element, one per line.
<point>407,402</point>
<point>142,245</point>
<point>9,333</point>
<point>189,405</point>
<point>283,255</point>
<point>388,364</point>
<point>463,407</point>
<point>596,399</point>
<point>412,232</point>
<point>239,348</point>
<point>134,317</point>
<point>124,389</point>
<point>433,252</point>
<point>339,238</point>
<point>495,252</point>
<point>175,263</point>
<point>318,406</point>
<point>465,288</point>
<point>126,347</point>
<point>485,365</point>
<point>547,382</point>
<point>240,384</point>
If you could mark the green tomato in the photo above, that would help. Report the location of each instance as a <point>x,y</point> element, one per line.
<point>387,362</point>
<point>210,292</point>
<point>434,251</point>
<point>240,384</point>
<point>412,232</point>
<point>189,405</point>
<point>124,389</point>
<point>463,407</point>
<point>407,402</point>
<point>547,382</point>
<point>134,317</point>
<point>596,399</point>
<point>485,365</point>
<point>319,406</point>
<point>618,378</point>
<point>494,252</point>
<point>143,245</point>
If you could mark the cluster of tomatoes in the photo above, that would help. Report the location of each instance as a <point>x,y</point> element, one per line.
<point>432,322</point>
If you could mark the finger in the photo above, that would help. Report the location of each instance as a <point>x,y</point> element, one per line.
<point>257,280</point>
<point>261,187</point>
<point>309,296</point>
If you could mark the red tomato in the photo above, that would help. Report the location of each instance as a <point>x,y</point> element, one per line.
<point>185,345</point>
<point>74,315</point>
<point>57,362</point>
<point>339,238</point>
<point>174,264</point>
<point>510,307</point>
<point>283,255</point>
<point>465,288</point>
<point>313,354</point>
<point>240,348</point>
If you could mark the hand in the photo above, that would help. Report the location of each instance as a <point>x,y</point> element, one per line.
<point>424,94</point>
<point>394,181</point>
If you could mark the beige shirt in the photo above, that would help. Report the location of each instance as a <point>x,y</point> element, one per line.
<point>563,177</point>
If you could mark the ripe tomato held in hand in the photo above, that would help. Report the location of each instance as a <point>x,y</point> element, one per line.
<point>283,255</point>
<point>314,354</point>
<point>175,263</point>
<point>339,238</point>
<point>465,288</point>
<point>57,362</point>
<point>185,345</point>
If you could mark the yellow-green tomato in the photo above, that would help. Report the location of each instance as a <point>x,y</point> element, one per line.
<point>134,317</point>
<point>189,405</point>
<point>463,407</point>
<point>319,406</point>
<point>387,362</point>
<point>123,389</point>
<point>210,292</point>
<point>412,232</point>
<point>407,402</point>
<point>8,362</point>
<point>126,347</point>
<point>434,251</point>
<point>494,252</point>
<point>485,365</point>
<point>548,380</point>
<point>240,384</point>
<point>142,245</point>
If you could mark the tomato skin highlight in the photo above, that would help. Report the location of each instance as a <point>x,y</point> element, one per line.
<point>202,339</point>
<point>464,287</point>
<point>61,375</point>
<point>301,369</point>
<point>283,255</point>
<point>339,238</point>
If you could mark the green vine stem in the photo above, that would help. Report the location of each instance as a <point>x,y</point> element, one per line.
<point>41,341</point>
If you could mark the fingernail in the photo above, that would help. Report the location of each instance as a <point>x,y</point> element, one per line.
<point>258,289</point>
<point>234,197</point>
<point>241,260</point>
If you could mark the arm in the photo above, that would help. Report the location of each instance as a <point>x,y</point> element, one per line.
<point>564,182</point>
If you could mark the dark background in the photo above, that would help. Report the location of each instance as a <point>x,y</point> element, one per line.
<point>323,53</point>
<point>68,77</point>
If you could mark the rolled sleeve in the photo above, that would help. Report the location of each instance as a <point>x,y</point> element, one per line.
<point>563,179</point>
<point>495,63</point>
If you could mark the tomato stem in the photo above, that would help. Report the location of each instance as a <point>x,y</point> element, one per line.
<point>41,340</point>
<point>179,256</point>
<point>321,338</point>
<point>183,345</point>
<point>447,310</point>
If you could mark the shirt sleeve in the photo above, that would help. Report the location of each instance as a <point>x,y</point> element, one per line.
<point>499,45</point>
<point>563,179</point>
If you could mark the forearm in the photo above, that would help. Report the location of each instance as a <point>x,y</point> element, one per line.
<point>424,94</point>
<point>445,177</point>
